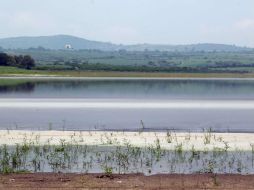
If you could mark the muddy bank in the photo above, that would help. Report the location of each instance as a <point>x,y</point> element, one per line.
<point>49,181</point>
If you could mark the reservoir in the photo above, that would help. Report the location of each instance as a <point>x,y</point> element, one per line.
<point>181,104</point>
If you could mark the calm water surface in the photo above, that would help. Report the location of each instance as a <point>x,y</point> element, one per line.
<point>129,104</point>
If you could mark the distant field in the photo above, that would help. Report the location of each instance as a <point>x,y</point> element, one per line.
<point>149,61</point>
<point>12,71</point>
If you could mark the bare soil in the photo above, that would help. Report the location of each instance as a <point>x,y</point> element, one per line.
<point>50,181</point>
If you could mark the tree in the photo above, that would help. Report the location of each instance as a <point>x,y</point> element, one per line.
<point>27,62</point>
<point>4,59</point>
<point>18,59</point>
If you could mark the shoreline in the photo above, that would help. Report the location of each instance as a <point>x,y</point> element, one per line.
<point>126,74</point>
<point>235,141</point>
<point>49,181</point>
<point>56,77</point>
<point>149,153</point>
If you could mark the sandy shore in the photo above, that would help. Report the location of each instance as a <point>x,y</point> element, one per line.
<point>200,141</point>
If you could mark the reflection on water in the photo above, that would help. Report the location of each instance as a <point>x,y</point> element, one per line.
<point>155,89</point>
<point>26,87</point>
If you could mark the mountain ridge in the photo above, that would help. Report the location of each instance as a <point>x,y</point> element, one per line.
<point>57,42</point>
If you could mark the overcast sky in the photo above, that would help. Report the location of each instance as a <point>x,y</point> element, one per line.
<point>133,21</point>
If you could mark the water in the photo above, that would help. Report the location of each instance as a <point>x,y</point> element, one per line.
<point>122,88</point>
<point>91,159</point>
<point>127,104</point>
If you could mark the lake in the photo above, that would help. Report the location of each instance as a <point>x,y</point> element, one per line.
<point>127,104</point>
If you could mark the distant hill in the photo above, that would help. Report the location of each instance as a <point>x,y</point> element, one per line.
<point>53,42</point>
<point>59,41</point>
<point>207,47</point>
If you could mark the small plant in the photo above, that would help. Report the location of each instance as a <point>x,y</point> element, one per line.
<point>226,146</point>
<point>239,166</point>
<point>208,136</point>
<point>158,150</point>
<point>210,167</point>
<point>142,126</point>
<point>108,170</point>
<point>179,148</point>
<point>188,137</point>
<point>215,180</point>
<point>169,137</point>
<point>194,153</point>
<point>252,153</point>
<point>5,161</point>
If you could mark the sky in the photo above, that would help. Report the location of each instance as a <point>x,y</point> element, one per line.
<point>133,21</point>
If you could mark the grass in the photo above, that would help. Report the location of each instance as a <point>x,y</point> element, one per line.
<point>12,71</point>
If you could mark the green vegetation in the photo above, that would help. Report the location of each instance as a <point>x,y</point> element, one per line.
<point>152,59</point>
<point>13,71</point>
<point>113,155</point>
<point>130,63</point>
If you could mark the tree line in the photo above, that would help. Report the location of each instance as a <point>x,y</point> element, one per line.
<point>22,61</point>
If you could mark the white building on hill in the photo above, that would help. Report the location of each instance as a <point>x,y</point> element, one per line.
<point>68,46</point>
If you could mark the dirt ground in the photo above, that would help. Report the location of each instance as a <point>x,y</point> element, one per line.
<point>50,181</point>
